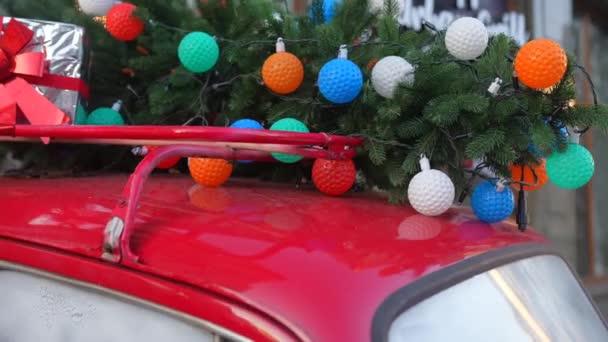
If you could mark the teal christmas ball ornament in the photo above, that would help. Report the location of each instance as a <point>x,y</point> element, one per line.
<point>81,115</point>
<point>340,80</point>
<point>106,116</point>
<point>246,124</point>
<point>288,125</point>
<point>572,168</point>
<point>492,203</point>
<point>198,52</point>
<point>329,11</point>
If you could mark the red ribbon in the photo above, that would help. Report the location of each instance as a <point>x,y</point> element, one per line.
<point>19,71</point>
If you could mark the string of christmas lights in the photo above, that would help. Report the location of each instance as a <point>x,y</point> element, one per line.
<point>539,65</point>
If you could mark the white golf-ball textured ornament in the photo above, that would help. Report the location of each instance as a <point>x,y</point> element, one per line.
<point>431,192</point>
<point>96,7</point>
<point>466,38</point>
<point>389,73</point>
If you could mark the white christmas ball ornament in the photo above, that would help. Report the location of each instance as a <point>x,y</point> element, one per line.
<point>431,192</point>
<point>96,7</point>
<point>389,73</point>
<point>466,38</point>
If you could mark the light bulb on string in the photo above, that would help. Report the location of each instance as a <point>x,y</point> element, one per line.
<point>541,64</point>
<point>389,73</point>
<point>533,174</point>
<point>334,177</point>
<point>466,38</point>
<point>572,168</point>
<point>282,72</point>
<point>329,10</point>
<point>246,124</point>
<point>288,125</point>
<point>492,202</point>
<point>431,192</point>
<point>340,80</point>
<point>106,116</point>
<point>210,172</point>
<point>198,52</point>
<point>561,133</point>
<point>121,22</point>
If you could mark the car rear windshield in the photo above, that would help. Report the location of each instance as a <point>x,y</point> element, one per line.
<point>534,299</point>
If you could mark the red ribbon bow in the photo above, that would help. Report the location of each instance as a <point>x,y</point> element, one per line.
<point>19,70</point>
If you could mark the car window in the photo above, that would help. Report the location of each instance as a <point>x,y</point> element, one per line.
<point>535,299</point>
<point>34,308</point>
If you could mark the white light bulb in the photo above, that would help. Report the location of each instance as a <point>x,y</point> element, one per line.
<point>467,38</point>
<point>430,192</point>
<point>389,73</point>
<point>495,87</point>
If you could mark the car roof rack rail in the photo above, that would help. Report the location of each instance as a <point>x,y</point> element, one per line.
<point>183,142</point>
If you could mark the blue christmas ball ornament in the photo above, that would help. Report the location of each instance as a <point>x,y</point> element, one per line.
<point>491,205</point>
<point>246,124</point>
<point>563,136</point>
<point>329,11</point>
<point>340,81</point>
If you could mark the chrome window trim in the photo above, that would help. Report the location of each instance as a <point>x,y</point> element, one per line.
<point>218,332</point>
<point>435,282</point>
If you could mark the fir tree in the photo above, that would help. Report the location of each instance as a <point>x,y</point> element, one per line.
<point>446,114</point>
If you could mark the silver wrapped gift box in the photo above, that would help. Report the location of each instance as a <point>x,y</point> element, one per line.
<point>67,54</point>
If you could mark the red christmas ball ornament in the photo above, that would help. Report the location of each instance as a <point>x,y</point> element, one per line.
<point>122,24</point>
<point>334,177</point>
<point>166,163</point>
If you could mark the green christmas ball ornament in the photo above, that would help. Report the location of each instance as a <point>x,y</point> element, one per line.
<point>106,116</point>
<point>198,52</point>
<point>81,116</point>
<point>572,168</point>
<point>288,125</point>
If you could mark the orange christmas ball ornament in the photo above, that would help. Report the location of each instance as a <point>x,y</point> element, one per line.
<point>282,72</point>
<point>210,172</point>
<point>122,24</point>
<point>541,63</point>
<point>372,63</point>
<point>528,176</point>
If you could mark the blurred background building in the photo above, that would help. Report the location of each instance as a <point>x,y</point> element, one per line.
<point>577,222</point>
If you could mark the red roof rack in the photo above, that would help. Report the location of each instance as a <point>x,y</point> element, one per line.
<point>179,141</point>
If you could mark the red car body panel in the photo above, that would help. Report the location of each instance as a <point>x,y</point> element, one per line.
<point>285,263</point>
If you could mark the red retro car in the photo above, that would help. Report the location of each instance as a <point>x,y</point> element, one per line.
<point>93,259</point>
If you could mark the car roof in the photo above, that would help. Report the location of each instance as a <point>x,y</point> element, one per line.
<point>311,261</point>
